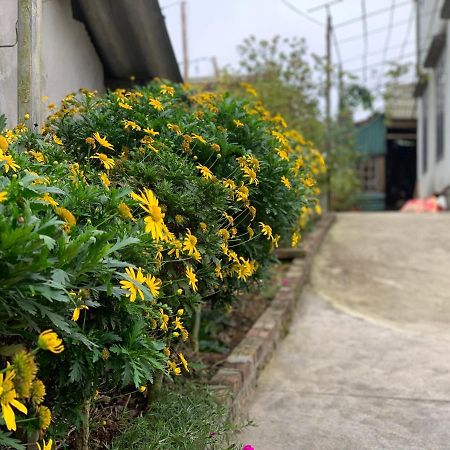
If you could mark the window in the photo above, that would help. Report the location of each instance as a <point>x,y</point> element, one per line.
<point>440,105</point>
<point>425,131</point>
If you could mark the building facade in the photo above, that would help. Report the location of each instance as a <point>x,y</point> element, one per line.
<point>84,43</point>
<point>433,96</point>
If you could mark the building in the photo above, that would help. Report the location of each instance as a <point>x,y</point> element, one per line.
<point>78,43</point>
<point>387,147</point>
<point>433,96</point>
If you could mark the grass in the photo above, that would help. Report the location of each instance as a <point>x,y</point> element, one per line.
<point>185,416</point>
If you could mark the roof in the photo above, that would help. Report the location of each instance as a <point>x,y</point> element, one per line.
<point>131,38</point>
<point>371,136</point>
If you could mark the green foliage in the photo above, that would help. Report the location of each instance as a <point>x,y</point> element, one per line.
<point>185,417</point>
<point>124,214</point>
<point>284,79</point>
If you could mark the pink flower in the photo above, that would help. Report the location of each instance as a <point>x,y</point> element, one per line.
<point>248,447</point>
<point>285,282</point>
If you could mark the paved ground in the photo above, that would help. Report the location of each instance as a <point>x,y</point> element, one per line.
<point>367,362</point>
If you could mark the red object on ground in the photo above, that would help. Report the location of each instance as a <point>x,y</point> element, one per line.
<point>422,205</point>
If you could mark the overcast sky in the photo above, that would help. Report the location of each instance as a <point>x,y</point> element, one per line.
<point>217,27</point>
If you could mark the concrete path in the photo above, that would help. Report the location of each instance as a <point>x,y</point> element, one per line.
<point>367,362</point>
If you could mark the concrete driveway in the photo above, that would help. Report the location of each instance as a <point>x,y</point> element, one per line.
<point>366,364</point>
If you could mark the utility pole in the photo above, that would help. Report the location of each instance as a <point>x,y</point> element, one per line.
<point>29,13</point>
<point>328,69</point>
<point>185,42</point>
<point>215,65</point>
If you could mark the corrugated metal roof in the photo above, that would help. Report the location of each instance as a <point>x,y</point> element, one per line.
<point>131,38</point>
<point>371,136</point>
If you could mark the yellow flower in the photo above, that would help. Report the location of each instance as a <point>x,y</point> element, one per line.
<point>173,368</point>
<point>318,209</point>
<point>266,230</point>
<point>125,105</point>
<point>8,398</point>
<point>177,248</point>
<point>286,182</point>
<point>142,388</point>
<point>164,320</point>
<point>250,231</point>
<point>108,163</point>
<point>282,153</point>
<point>154,222</point>
<point>25,369</point>
<point>250,174</point>
<point>156,104</point>
<point>49,199</point>
<point>125,212</point>
<point>308,182</point>
<point>44,416</point>
<point>184,362</point>
<point>45,446</point>
<point>3,196</point>
<point>9,162</point>
<point>91,141</point>
<point>134,286</point>
<point>102,141</point>
<point>198,138</point>
<point>49,340</point>
<point>151,131</point>
<point>174,127</point>
<point>38,156</point>
<point>295,239</point>
<point>242,193</point>
<point>238,123</point>
<point>154,284</point>
<point>192,278</point>
<point>67,216</point>
<point>57,140</point>
<point>166,351</point>
<point>165,89</point>
<point>130,124</point>
<point>206,173</point>
<point>3,144</point>
<point>104,179</point>
<point>189,243</point>
<point>203,226</point>
<point>180,312</point>
<point>252,210</point>
<point>230,184</point>
<point>228,217</point>
<point>37,392</point>
<point>76,312</point>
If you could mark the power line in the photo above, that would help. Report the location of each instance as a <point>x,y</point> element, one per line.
<point>408,30</point>
<point>380,63</point>
<point>356,58</point>
<point>366,40</point>
<point>371,14</point>
<point>389,32</point>
<point>301,13</point>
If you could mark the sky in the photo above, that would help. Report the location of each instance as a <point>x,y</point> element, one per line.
<point>217,27</point>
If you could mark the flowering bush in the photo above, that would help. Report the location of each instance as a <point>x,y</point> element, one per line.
<point>125,213</point>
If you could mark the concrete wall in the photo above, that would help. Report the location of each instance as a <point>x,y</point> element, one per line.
<point>437,176</point>
<point>69,60</point>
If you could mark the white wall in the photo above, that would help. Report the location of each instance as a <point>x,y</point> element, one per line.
<point>69,60</point>
<point>437,176</point>
<point>8,61</point>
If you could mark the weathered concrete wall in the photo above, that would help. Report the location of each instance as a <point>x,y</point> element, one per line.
<point>8,60</point>
<point>69,60</point>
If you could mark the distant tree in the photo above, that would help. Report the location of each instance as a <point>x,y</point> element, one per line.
<point>280,72</point>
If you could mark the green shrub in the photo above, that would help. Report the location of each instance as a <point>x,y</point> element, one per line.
<point>126,212</point>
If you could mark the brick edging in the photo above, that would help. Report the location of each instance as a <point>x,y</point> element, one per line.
<point>239,372</point>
